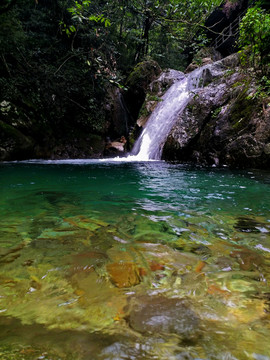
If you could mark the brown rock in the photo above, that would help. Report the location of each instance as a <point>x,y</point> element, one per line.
<point>116,145</point>
<point>191,67</point>
<point>123,274</point>
<point>247,260</point>
<point>207,60</point>
<point>158,314</point>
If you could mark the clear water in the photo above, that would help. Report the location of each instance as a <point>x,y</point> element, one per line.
<point>83,244</point>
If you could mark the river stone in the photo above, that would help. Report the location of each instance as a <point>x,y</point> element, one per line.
<point>207,60</point>
<point>267,149</point>
<point>159,314</point>
<point>247,259</point>
<point>123,274</point>
<point>248,225</point>
<point>191,67</point>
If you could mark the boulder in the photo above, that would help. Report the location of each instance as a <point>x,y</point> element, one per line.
<point>117,147</point>
<point>191,67</point>
<point>224,123</point>
<point>137,84</point>
<point>207,60</point>
<point>158,314</point>
<point>164,81</point>
<point>123,274</point>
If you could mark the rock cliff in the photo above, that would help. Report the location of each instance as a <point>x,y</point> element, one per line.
<point>225,123</point>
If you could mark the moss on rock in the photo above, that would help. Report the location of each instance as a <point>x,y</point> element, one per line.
<point>14,144</point>
<point>137,83</point>
<point>143,74</point>
<point>242,109</point>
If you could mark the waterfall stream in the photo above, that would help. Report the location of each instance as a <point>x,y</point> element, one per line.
<point>150,144</point>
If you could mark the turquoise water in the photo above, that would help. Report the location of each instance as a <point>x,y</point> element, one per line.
<point>95,257</point>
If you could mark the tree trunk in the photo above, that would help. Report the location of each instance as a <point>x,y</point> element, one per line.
<point>142,49</point>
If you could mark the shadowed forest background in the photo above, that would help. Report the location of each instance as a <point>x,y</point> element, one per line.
<point>64,62</point>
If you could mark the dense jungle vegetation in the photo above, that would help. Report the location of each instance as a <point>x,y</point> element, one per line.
<point>61,59</point>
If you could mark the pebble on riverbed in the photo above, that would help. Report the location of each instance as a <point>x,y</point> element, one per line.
<point>123,274</point>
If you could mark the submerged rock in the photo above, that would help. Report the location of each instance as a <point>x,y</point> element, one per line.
<point>247,259</point>
<point>159,314</point>
<point>249,225</point>
<point>123,274</point>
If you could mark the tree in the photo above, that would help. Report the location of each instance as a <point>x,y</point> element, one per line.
<point>60,60</point>
<point>137,26</point>
<point>254,39</point>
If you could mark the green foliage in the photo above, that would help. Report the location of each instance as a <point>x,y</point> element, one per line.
<point>59,58</point>
<point>81,14</point>
<point>14,35</point>
<point>244,106</point>
<point>46,83</point>
<point>263,89</point>
<point>138,28</point>
<point>216,112</point>
<point>254,39</point>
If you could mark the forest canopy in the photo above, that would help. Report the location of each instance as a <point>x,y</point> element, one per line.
<point>58,55</point>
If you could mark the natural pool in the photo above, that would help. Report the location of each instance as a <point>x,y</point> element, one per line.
<point>107,260</point>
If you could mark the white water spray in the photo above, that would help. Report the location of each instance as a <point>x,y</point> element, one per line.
<point>150,144</point>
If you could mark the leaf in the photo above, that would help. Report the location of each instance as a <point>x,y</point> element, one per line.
<point>72,28</point>
<point>107,23</point>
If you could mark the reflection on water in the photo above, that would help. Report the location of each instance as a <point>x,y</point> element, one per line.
<point>107,260</point>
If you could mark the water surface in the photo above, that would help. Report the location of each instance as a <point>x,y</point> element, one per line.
<point>122,260</point>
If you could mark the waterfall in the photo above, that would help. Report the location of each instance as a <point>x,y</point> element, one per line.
<point>150,144</point>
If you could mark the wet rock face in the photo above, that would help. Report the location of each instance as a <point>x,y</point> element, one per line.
<point>223,124</point>
<point>165,80</point>
<point>188,129</point>
<point>163,315</point>
<point>156,90</point>
<point>137,83</point>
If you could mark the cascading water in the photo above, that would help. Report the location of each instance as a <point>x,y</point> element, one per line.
<point>150,143</point>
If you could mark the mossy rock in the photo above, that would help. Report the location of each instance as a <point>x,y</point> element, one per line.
<point>143,74</point>
<point>14,144</point>
<point>242,110</point>
<point>137,84</point>
<point>148,107</point>
<point>206,52</point>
